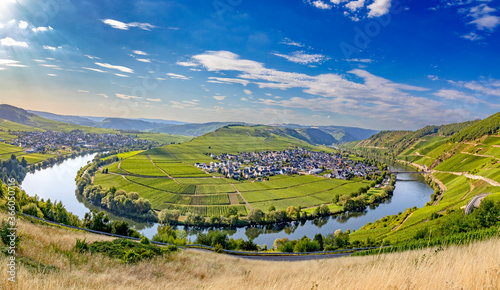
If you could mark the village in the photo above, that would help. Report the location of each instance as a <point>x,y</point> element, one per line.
<point>288,162</point>
<point>50,140</point>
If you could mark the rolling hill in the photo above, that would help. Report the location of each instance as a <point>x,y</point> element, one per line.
<point>463,160</point>
<point>66,119</point>
<point>127,124</point>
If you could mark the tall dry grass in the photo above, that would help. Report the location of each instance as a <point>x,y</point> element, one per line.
<point>476,266</point>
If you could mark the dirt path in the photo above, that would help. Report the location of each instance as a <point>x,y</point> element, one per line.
<point>233,199</point>
<point>472,187</point>
<point>480,155</point>
<point>397,228</point>
<point>471,176</point>
<point>162,170</point>
<point>246,202</point>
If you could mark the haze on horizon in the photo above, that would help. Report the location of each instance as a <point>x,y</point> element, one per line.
<point>377,64</point>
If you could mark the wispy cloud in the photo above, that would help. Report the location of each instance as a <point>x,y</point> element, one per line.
<point>177,76</point>
<point>219,98</point>
<point>7,41</point>
<point>94,69</point>
<point>483,17</point>
<point>121,75</point>
<point>187,63</point>
<point>51,47</point>
<point>91,57</point>
<point>303,58</point>
<point>125,26</point>
<point>139,52</point>
<point>290,42</point>
<point>127,97</point>
<point>153,100</point>
<point>143,59</point>
<point>10,63</point>
<point>42,29</point>
<point>116,67</point>
<point>362,60</point>
<point>103,95</point>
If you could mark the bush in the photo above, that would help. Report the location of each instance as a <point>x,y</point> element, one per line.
<point>218,248</point>
<point>145,241</point>
<point>33,210</point>
<point>81,245</point>
<point>5,234</point>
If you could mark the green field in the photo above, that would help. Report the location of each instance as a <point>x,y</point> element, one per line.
<point>166,176</point>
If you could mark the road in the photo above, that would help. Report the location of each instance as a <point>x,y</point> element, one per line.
<point>474,202</point>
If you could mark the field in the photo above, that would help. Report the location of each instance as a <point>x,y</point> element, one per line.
<point>58,266</point>
<point>168,178</point>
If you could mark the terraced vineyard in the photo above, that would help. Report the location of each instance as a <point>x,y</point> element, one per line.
<point>167,176</point>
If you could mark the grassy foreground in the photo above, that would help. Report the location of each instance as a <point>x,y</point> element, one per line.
<point>458,267</point>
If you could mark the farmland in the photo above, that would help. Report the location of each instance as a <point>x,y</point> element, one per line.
<point>167,177</point>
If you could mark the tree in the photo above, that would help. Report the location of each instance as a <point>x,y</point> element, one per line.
<point>292,212</point>
<point>256,216</point>
<point>272,208</point>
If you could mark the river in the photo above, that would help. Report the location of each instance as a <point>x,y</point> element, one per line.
<point>58,183</point>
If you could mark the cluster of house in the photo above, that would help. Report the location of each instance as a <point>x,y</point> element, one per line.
<point>51,140</point>
<point>249,165</point>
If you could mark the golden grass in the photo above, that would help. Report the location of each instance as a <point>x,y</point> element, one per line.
<point>467,267</point>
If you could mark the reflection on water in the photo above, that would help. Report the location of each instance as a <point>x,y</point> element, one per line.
<point>57,183</point>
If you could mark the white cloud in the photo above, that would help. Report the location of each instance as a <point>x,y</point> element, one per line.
<point>139,52</point>
<point>472,36</point>
<point>433,78</point>
<point>334,93</point>
<point>50,65</point>
<point>483,18</point>
<point>10,63</point>
<point>379,8</point>
<point>91,57</point>
<point>244,99</point>
<point>177,76</point>
<point>303,58</point>
<point>103,95</point>
<point>219,98</point>
<point>187,63</point>
<point>126,97</point>
<point>153,100</point>
<point>94,69</point>
<point>82,91</point>
<point>125,26</point>
<point>288,41</point>
<point>52,75</point>
<point>41,29</point>
<point>51,47</point>
<point>475,86</point>
<point>121,75</point>
<point>7,41</point>
<point>228,81</point>
<point>248,92</point>
<point>363,60</point>
<point>143,60</point>
<point>456,96</point>
<point>116,67</point>
<point>23,24</point>
<point>355,5</point>
<point>319,4</point>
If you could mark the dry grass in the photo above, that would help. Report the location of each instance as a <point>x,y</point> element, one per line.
<point>468,267</point>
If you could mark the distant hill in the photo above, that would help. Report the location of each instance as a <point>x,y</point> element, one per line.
<point>398,141</point>
<point>194,129</point>
<point>67,119</point>
<point>23,117</point>
<point>127,124</point>
<point>340,134</point>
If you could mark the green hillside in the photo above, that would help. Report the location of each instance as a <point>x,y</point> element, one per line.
<point>168,178</point>
<point>464,161</point>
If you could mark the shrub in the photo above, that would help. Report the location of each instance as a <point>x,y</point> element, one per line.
<point>81,245</point>
<point>218,248</point>
<point>145,241</point>
<point>33,210</point>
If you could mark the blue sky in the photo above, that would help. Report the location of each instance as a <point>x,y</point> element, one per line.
<point>380,64</point>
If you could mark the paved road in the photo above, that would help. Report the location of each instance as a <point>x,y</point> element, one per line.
<point>474,202</point>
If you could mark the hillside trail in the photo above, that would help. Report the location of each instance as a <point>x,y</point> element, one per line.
<point>480,155</point>
<point>397,227</point>
<point>162,170</point>
<point>246,202</point>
